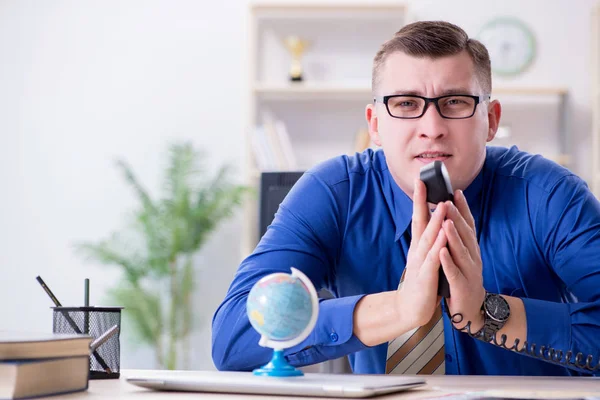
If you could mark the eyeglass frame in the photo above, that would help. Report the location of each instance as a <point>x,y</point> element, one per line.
<point>478,100</point>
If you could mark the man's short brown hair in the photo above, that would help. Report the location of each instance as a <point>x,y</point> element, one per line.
<point>435,39</point>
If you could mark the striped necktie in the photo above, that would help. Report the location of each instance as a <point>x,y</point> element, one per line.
<point>418,351</point>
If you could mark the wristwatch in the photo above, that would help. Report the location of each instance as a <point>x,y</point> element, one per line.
<point>495,312</point>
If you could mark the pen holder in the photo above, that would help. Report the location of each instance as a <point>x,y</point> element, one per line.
<point>93,321</point>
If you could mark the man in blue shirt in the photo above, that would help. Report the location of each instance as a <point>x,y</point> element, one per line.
<point>525,232</point>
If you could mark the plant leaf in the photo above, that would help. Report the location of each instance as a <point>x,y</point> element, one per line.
<point>165,233</point>
<point>144,310</point>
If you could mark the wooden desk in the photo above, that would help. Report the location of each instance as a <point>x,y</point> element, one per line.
<point>437,386</point>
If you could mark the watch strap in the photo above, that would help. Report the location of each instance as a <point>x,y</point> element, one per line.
<point>490,327</point>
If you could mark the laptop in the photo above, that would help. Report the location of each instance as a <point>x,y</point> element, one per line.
<point>311,384</point>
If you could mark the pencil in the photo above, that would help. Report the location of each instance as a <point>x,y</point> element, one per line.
<point>104,337</point>
<point>47,289</point>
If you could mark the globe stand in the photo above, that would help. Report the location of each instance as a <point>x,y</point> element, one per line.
<point>278,366</point>
<point>283,308</point>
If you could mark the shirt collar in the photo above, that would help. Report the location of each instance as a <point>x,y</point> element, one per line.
<point>399,203</point>
<point>403,209</point>
<point>473,191</point>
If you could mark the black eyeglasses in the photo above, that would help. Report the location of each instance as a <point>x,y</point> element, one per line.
<point>456,106</point>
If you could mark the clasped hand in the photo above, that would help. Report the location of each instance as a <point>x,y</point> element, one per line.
<point>443,239</point>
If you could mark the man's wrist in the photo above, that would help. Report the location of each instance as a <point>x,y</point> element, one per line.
<point>477,323</point>
<point>377,318</point>
<point>473,324</point>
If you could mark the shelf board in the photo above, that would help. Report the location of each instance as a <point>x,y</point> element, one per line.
<point>372,6</point>
<point>292,91</point>
<point>320,10</point>
<point>531,91</point>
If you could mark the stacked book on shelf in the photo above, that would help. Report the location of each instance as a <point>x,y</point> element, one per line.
<point>271,145</point>
<point>42,364</point>
<point>273,150</point>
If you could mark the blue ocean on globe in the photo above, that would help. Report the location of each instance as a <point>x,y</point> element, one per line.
<point>279,307</point>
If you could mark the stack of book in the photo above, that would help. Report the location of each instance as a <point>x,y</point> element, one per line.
<point>272,146</point>
<point>42,364</point>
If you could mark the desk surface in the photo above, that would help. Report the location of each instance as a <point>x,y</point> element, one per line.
<point>437,386</point>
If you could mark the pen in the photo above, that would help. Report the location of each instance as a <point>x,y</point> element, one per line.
<point>86,293</point>
<point>86,303</point>
<point>72,323</point>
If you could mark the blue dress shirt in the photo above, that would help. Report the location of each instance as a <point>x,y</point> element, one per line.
<point>345,225</point>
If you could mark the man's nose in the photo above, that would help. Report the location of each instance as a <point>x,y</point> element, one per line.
<point>432,125</point>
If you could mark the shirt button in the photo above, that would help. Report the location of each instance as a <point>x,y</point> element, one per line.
<point>333,337</point>
<point>448,358</point>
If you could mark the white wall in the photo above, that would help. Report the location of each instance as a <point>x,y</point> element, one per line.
<point>83,82</point>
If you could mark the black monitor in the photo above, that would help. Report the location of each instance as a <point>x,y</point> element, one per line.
<point>274,186</point>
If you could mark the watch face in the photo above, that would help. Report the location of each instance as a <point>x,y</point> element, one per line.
<point>497,308</point>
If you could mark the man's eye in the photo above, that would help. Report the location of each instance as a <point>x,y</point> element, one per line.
<point>405,104</point>
<point>455,102</point>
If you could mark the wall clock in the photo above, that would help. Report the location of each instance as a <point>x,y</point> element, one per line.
<point>511,45</point>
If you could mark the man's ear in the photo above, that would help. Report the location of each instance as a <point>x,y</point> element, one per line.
<point>494,113</point>
<point>373,123</point>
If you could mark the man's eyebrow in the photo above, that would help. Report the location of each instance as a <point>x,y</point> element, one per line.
<point>408,92</point>
<point>455,91</point>
<point>446,92</point>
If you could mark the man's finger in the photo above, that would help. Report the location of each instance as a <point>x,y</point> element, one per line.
<point>460,202</point>
<point>420,216</point>
<point>429,236</point>
<point>458,250</point>
<point>431,264</point>
<point>451,270</point>
<point>466,233</point>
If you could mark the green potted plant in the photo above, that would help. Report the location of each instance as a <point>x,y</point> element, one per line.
<point>155,251</point>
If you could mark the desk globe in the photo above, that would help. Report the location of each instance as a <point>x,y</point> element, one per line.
<point>283,308</point>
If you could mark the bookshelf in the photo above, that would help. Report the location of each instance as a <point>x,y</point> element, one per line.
<point>324,114</point>
<point>541,107</point>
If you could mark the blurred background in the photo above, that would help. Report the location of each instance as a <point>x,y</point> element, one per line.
<point>86,83</point>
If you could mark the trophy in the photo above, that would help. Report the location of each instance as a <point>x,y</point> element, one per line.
<point>296,47</point>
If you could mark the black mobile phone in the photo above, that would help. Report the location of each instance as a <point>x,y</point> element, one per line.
<point>439,188</point>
